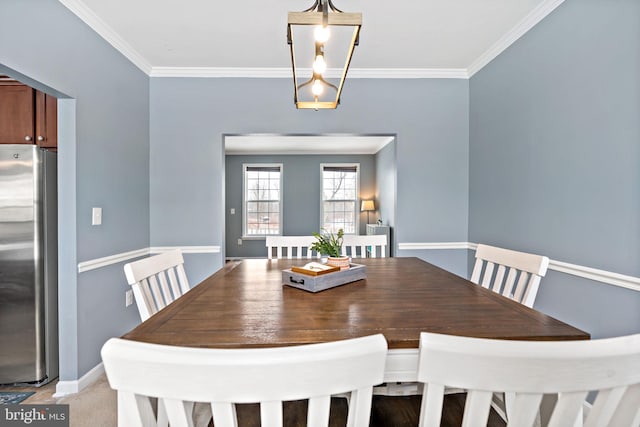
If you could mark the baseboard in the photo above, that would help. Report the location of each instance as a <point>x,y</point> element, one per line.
<point>64,388</point>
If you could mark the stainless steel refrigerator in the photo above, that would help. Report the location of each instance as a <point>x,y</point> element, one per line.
<point>28,265</point>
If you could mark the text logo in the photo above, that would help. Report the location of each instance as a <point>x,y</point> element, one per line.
<point>34,415</point>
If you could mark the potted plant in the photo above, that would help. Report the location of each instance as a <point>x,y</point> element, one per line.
<point>330,245</point>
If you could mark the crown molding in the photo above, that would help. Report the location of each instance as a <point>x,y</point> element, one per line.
<point>246,72</point>
<point>408,73</point>
<point>528,22</point>
<point>354,73</point>
<point>107,33</point>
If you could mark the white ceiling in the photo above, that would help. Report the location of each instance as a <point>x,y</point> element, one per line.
<point>415,38</point>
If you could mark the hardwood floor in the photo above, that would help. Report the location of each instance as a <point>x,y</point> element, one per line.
<point>402,411</point>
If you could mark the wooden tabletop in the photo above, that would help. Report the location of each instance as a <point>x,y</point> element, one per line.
<point>245,305</point>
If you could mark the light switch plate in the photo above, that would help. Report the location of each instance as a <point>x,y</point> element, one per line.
<point>96,216</point>
<point>128,298</point>
<point>233,211</point>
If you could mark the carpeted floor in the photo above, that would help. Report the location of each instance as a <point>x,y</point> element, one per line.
<point>94,406</point>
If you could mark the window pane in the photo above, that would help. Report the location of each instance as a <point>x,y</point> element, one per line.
<point>262,199</point>
<point>339,195</point>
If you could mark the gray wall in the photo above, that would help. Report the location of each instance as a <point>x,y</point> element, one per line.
<point>300,196</point>
<point>386,190</point>
<point>103,161</point>
<point>555,156</point>
<point>189,116</point>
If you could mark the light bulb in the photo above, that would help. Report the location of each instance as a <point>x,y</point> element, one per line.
<point>321,34</point>
<point>319,65</point>
<point>317,88</point>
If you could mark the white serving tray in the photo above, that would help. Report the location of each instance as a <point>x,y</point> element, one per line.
<point>324,281</point>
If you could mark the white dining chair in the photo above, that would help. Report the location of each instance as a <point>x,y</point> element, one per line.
<point>517,275</point>
<point>285,246</point>
<point>157,281</point>
<point>569,370</point>
<point>364,246</point>
<point>223,377</point>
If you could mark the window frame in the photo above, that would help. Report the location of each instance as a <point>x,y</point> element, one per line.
<point>356,214</point>
<point>245,167</point>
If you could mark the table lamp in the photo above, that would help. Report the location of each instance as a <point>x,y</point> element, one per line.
<point>368,206</point>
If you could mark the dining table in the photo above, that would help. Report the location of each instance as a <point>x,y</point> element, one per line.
<point>246,305</point>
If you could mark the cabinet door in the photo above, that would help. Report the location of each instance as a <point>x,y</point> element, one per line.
<point>46,120</point>
<point>16,114</point>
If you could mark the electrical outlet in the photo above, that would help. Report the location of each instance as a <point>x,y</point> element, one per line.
<point>96,216</point>
<point>129,298</point>
<point>232,211</point>
<point>239,242</point>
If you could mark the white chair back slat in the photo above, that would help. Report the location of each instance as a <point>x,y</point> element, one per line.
<point>528,369</point>
<point>499,280</point>
<point>363,246</point>
<point>156,293</point>
<point>524,270</point>
<point>178,412</point>
<point>271,414</point>
<point>174,286</point>
<point>224,414</point>
<point>318,411</point>
<point>477,271</point>
<point>431,406</point>
<point>477,407</point>
<point>567,409</point>
<point>628,411</point>
<point>521,286</point>
<point>164,285</point>
<point>183,282</point>
<point>144,299</point>
<point>360,406</point>
<point>525,409</point>
<point>605,405</point>
<point>509,284</point>
<point>267,376</point>
<point>290,247</point>
<point>488,275</point>
<point>148,279</point>
<point>530,291</point>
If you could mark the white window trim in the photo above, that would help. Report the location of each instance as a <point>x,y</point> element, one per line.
<point>244,199</point>
<point>356,211</point>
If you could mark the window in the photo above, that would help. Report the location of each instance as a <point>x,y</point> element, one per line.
<point>262,207</point>
<point>339,197</point>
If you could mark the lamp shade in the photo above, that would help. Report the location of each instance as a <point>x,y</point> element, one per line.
<point>367,205</point>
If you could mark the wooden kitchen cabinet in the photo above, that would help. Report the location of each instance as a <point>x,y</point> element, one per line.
<point>17,114</point>
<point>46,120</point>
<point>27,116</point>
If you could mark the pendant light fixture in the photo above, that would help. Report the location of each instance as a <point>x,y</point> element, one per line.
<point>319,31</point>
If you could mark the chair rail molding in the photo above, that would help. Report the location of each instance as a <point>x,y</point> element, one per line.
<point>602,276</point>
<point>93,264</point>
